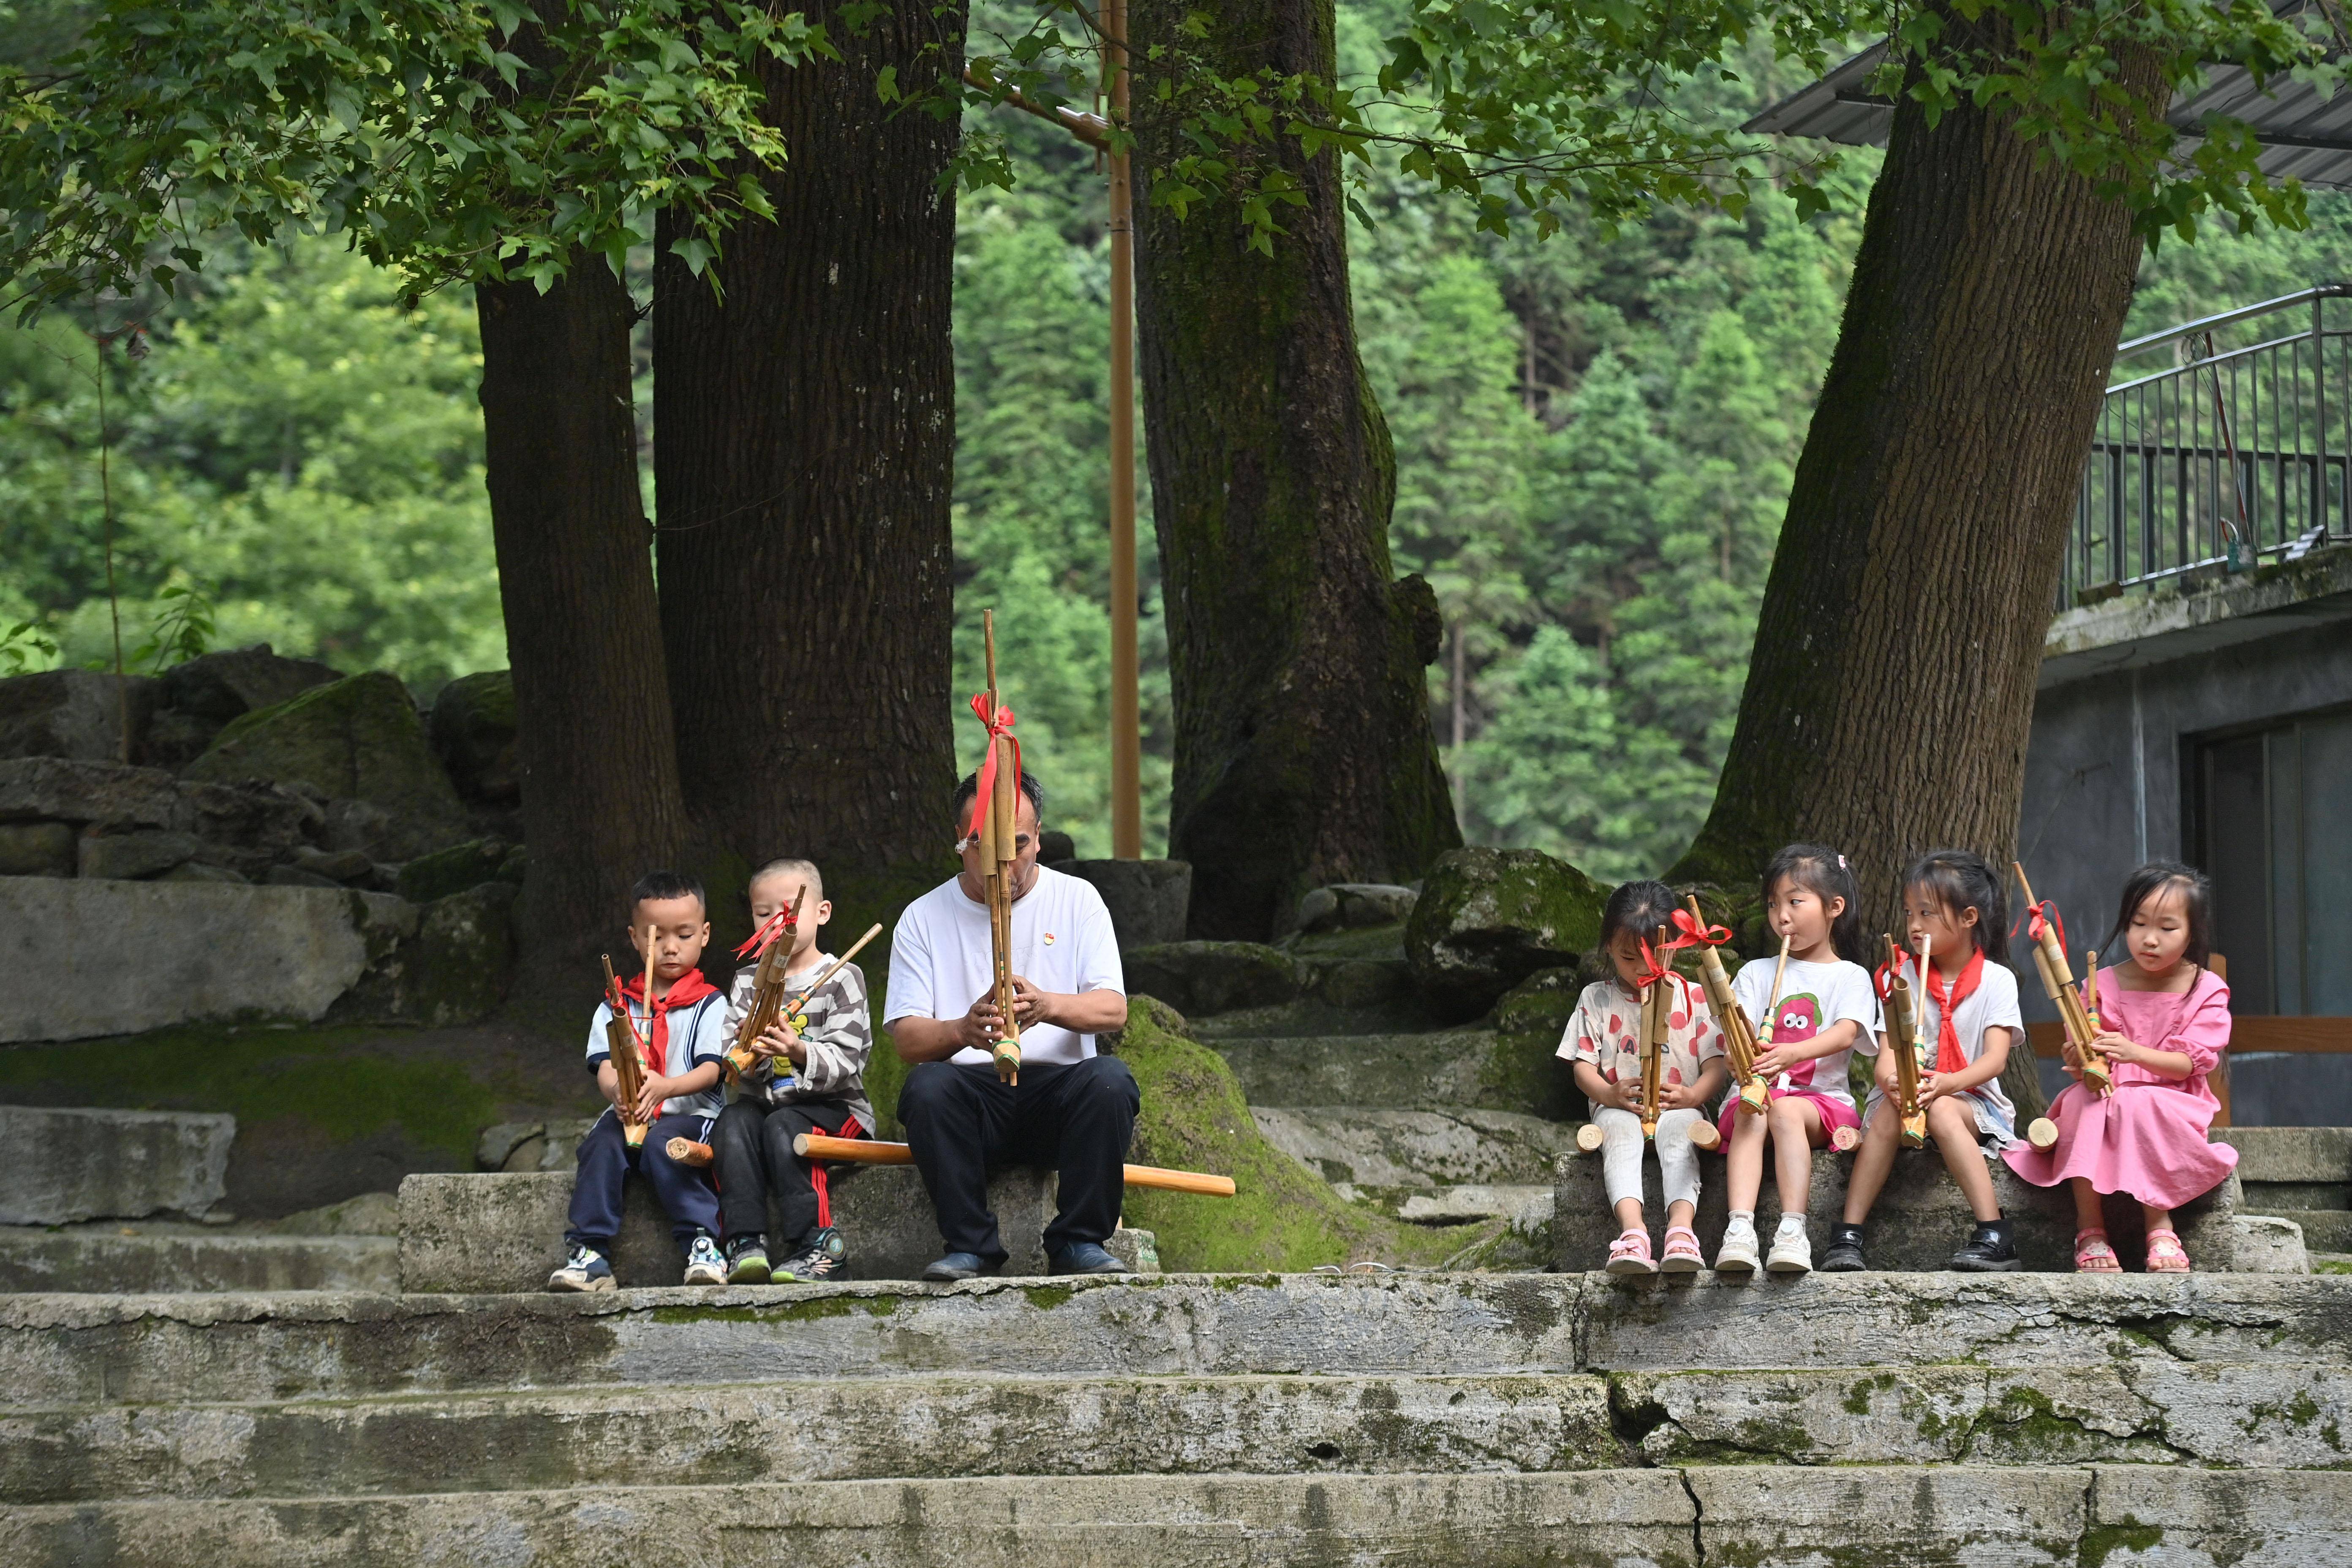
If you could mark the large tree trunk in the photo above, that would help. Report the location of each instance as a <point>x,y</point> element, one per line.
<point>1303,748</point>
<point>600,795</point>
<point>1891,689</point>
<point>803,457</point>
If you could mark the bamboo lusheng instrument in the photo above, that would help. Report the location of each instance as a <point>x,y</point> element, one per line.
<point>1738,1034</point>
<point>1756,1094</point>
<point>2042,1132</point>
<point>767,985</point>
<point>621,1044</point>
<point>868,1152</point>
<point>794,1014</point>
<point>2058,980</point>
<point>687,1152</point>
<point>998,853</point>
<point>1655,1012</point>
<point>1904,1039</point>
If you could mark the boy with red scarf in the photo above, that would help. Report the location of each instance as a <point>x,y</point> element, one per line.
<point>1966,1002</point>
<point>681,1095</point>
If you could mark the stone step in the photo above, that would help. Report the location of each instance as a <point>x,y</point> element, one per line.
<point>64,1350</point>
<point>2149,1409</point>
<point>152,1258</point>
<point>812,1431</point>
<point>1375,1146</point>
<point>1392,1072</point>
<point>2295,1154</point>
<point>1758,1515</point>
<point>120,1164</point>
<point>2143,1409</point>
<point>2324,1230</point>
<point>1920,1218</point>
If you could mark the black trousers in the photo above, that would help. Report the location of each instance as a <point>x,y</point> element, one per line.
<point>1074,1117</point>
<point>752,1150</point>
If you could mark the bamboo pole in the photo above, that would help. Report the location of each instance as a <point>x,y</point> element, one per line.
<point>998,853</point>
<point>628,1067</point>
<point>870,1152</point>
<point>1125,708</point>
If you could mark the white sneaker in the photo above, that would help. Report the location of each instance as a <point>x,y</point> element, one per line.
<point>1738,1253</point>
<point>704,1266</point>
<point>1792,1253</point>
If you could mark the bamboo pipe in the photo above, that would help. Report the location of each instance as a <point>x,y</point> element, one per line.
<point>1738,1034</point>
<point>628,1067</point>
<point>2058,982</point>
<point>767,992</point>
<point>836,967</point>
<point>997,857</point>
<point>1653,1021</point>
<point>1755,1093</point>
<point>687,1152</point>
<point>1903,1040</point>
<point>869,1152</point>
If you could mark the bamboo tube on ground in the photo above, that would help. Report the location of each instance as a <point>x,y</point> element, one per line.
<point>871,1152</point>
<point>687,1152</point>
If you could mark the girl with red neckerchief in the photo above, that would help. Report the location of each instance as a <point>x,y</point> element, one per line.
<point>1967,1000</point>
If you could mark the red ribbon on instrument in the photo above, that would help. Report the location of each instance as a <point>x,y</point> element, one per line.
<point>1000,723</point>
<point>778,924</point>
<point>2037,918</point>
<point>1692,933</point>
<point>1882,979</point>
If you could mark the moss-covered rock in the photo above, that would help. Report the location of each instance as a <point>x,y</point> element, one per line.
<point>1285,1218</point>
<point>456,868</point>
<point>473,733</point>
<point>1210,977</point>
<point>1525,1072</point>
<point>1487,919</point>
<point>356,740</point>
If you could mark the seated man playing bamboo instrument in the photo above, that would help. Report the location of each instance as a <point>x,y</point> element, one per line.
<point>1070,1109</point>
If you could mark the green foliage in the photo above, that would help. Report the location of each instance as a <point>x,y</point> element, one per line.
<point>443,135</point>
<point>299,448</point>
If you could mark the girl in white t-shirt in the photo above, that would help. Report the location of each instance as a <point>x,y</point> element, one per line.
<point>1965,1005</point>
<point>1825,1011</point>
<point>1602,1045</point>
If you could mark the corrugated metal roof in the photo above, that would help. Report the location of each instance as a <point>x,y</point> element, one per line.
<point>2302,137</point>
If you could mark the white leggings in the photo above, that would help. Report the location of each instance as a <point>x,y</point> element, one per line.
<point>1621,1154</point>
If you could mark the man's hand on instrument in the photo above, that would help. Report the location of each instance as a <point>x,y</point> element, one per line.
<point>781,1040</point>
<point>656,1090</point>
<point>978,1029</point>
<point>1032,1004</point>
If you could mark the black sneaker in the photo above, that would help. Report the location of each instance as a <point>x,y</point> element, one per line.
<point>1991,1249</point>
<point>1845,1253</point>
<point>825,1257</point>
<point>747,1260</point>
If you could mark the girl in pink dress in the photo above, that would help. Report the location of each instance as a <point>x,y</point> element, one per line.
<point>2164,1021</point>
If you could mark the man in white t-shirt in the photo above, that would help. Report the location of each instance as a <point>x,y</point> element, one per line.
<point>1073,1110</point>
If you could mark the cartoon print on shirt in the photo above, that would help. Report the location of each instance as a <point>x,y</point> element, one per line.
<point>1798,1019</point>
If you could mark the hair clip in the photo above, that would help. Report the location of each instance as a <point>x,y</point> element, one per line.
<point>1841,862</point>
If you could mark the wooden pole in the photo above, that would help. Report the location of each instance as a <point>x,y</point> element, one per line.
<point>868,1152</point>
<point>1125,708</point>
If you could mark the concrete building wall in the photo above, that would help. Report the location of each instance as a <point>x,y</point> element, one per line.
<point>2107,786</point>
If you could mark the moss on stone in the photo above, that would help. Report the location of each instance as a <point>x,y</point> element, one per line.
<point>1487,919</point>
<point>1284,1218</point>
<point>1524,1071</point>
<point>2103,1542</point>
<point>1045,1298</point>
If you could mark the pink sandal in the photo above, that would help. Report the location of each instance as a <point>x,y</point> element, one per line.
<point>1630,1254</point>
<point>2092,1255</point>
<point>2165,1253</point>
<point>1683,1256</point>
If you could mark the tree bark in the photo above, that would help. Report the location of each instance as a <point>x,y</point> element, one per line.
<point>1891,689</point>
<point>1303,750</point>
<point>803,457</point>
<point>600,795</point>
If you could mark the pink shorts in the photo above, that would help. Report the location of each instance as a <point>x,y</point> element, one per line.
<point>1835,1114</point>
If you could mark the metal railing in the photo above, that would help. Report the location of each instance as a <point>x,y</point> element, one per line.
<point>2227,457</point>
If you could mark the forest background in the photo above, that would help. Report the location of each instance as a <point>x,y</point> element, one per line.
<point>1594,439</point>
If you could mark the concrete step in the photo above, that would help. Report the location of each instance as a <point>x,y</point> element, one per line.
<point>1763,1515</point>
<point>2291,1155</point>
<point>817,1429</point>
<point>1373,1146</point>
<point>2324,1230</point>
<point>1452,1068</point>
<point>64,1350</point>
<point>120,1164</point>
<point>149,1259</point>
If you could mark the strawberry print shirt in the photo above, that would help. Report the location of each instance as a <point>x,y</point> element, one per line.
<point>1605,1031</point>
<point>1813,998</point>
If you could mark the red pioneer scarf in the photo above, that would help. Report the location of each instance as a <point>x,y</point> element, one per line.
<point>1948,1036</point>
<point>691,987</point>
